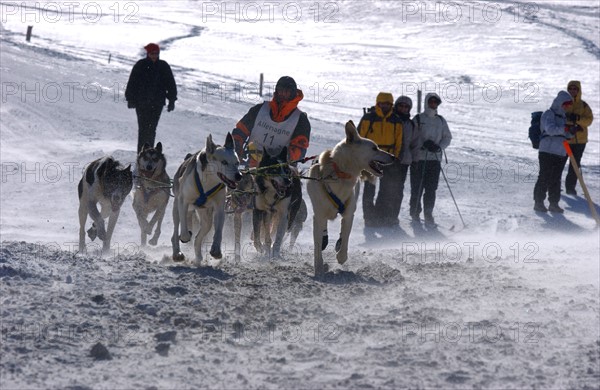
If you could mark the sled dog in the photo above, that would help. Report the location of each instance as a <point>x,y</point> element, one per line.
<point>239,201</point>
<point>276,188</point>
<point>338,171</point>
<point>200,183</point>
<point>152,192</point>
<point>106,182</point>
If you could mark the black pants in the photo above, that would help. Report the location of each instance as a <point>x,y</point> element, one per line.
<point>551,167</point>
<point>424,179</point>
<point>571,180</point>
<point>147,117</point>
<point>385,210</point>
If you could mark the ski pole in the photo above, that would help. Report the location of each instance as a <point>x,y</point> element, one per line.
<point>452,195</point>
<point>580,177</point>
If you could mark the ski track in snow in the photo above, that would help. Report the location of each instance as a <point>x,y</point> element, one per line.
<point>509,301</point>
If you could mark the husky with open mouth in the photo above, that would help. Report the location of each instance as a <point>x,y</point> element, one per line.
<point>200,184</point>
<point>333,190</point>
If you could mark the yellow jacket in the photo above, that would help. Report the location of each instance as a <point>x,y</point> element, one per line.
<point>384,130</point>
<point>584,112</point>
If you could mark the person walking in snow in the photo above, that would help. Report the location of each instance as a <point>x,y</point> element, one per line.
<point>384,127</point>
<point>552,154</point>
<point>274,125</point>
<point>410,145</point>
<point>579,115</point>
<point>425,174</point>
<point>151,82</point>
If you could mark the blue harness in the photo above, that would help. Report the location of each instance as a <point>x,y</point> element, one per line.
<point>341,207</point>
<point>205,196</point>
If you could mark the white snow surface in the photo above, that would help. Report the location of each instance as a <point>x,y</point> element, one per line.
<point>509,301</point>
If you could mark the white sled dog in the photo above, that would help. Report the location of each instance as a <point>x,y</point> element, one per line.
<point>152,192</point>
<point>106,182</point>
<point>338,171</point>
<point>200,183</point>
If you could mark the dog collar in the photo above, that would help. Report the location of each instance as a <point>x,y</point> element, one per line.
<point>339,173</point>
<point>203,197</point>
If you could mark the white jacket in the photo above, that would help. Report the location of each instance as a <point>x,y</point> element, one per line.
<point>552,126</point>
<point>432,127</point>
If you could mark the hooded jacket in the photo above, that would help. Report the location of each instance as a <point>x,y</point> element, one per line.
<point>411,143</point>
<point>583,110</point>
<point>383,129</point>
<point>150,83</point>
<point>434,127</point>
<point>300,137</point>
<point>552,126</point>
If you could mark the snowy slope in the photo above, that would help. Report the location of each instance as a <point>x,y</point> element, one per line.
<point>509,301</point>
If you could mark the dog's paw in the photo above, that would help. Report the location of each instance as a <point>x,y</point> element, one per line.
<point>153,241</point>
<point>178,257</point>
<point>185,237</point>
<point>148,229</point>
<point>216,253</point>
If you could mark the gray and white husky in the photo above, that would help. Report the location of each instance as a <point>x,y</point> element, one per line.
<point>108,183</point>
<point>338,171</point>
<point>152,192</point>
<point>200,184</point>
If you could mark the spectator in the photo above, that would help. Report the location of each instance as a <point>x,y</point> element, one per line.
<point>384,127</point>
<point>425,174</point>
<point>150,82</point>
<point>579,114</point>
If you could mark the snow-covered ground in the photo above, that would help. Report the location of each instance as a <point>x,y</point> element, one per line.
<point>509,301</point>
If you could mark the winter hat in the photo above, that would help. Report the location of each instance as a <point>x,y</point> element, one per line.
<point>385,97</point>
<point>404,99</point>
<point>151,48</point>
<point>286,82</point>
<point>433,96</point>
<point>577,84</point>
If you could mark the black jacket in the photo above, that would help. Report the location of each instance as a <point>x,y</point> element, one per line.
<point>150,83</point>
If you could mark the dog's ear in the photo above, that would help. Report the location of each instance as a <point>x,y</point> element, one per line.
<point>351,133</point>
<point>127,168</point>
<point>283,155</point>
<point>210,145</point>
<point>229,142</point>
<point>158,147</point>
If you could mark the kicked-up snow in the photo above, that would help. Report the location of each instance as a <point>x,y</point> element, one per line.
<point>511,300</point>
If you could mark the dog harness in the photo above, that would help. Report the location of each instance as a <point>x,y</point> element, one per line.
<point>341,207</point>
<point>205,196</point>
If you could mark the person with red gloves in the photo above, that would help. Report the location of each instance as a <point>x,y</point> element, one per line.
<point>552,154</point>
<point>274,124</point>
<point>151,82</point>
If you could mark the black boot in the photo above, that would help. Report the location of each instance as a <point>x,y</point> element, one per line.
<point>555,208</point>
<point>539,206</point>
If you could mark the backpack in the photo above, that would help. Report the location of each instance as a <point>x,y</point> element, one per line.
<point>535,132</point>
